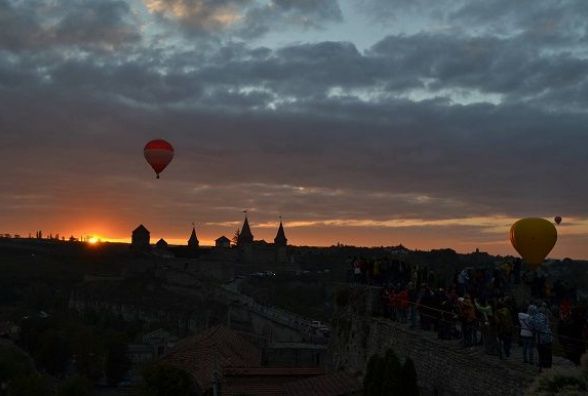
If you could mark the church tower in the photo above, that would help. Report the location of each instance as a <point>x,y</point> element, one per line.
<point>245,236</point>
<point>193,242</point>
<point>280,239</point>
<point>281,246</point>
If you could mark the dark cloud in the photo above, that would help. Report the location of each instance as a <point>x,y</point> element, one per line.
<point>422,126</point>
<point>487,64</point>
<point>544,22</point>
<point>246,18</point>
<point>104,23</point>
<point>280,14</point>
<point>393,11</point>
<point>85,24</point>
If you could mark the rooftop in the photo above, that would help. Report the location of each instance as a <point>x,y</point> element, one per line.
<point>325,385</point>
<point>141,228</point>
<point>216,347</point>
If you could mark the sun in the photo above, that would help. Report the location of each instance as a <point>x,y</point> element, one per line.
<point>93,240</point>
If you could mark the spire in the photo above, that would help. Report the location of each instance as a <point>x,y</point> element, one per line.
<point>280,238</point>
<point>193,241</point>
<point>245,236</point>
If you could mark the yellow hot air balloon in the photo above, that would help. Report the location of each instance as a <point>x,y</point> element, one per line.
<point>533,238</point>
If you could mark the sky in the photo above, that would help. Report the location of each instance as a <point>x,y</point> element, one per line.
<point>435,124</point>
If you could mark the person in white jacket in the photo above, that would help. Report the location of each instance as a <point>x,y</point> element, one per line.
<point>526,337</point>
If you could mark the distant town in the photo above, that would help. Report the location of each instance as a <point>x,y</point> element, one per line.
<point>271,318</point>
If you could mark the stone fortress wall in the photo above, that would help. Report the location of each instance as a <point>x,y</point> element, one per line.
<point>443,367</point>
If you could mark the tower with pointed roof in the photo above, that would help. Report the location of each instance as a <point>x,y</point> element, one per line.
<point>281,246</point>
<point>245,236</point>
<point>161,244</point>
<point>193,242</point>
<point>280,239</point>
<point>141,238</point>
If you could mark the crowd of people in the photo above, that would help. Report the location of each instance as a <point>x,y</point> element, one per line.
<point>476,306</point>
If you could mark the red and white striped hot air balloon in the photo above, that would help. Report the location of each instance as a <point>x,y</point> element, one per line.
<point>159,154</point>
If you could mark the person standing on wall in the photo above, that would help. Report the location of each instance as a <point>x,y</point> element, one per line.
<point>540,325</point>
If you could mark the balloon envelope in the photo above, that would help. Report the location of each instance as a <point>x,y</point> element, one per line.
<point>557,220</point>
<point>533,238</point>
<point>158,154</point>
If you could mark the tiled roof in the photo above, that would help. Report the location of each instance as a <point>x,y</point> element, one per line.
<point>218,347</point>
<point>254,389</point>
<point>263,381</point>
<point>325,385</point>
<point>297,345</point>
<point>273,371</point>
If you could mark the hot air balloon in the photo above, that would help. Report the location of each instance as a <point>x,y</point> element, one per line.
<point>533,238</point>
<point>159,154</point>
<point>557,220</point>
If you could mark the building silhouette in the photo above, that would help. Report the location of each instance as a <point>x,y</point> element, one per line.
<point>260,252</point>
<point>281,246</point>
<point>193,242</point>
<point>280,239</point>
<point>141,238</point>
<point>161,244</point>
<point>245,235</point>
<point>222,242</point>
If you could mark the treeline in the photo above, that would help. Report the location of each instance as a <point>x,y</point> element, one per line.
<point>19,377</point>
<point>65,347</point>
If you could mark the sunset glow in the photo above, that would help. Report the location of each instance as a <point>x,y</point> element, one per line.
<point>350,196</point>
<point>352,126</point>
<point>93,240</point>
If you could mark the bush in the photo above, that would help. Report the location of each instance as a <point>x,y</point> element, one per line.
<point>386,376</point>
<point>13,364</point>
<point>562,381</point>
<point>372,382</point>
<point>391,380</point>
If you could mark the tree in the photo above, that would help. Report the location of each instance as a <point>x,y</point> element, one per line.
<point>117,362</point>
<point>13,364</point>
<point>54,352</point>
<point>385,376</point>
<point>372,382</point>
<point>236,235</point>
<point>89,352</point>
<point>163,380</point>
<point>408,379</point>
<point>392,371</point>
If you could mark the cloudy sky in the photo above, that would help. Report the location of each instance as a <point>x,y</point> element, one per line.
<point>370,122</point>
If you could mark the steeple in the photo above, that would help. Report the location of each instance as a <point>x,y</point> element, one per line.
<point>193,241</point>
<point>280,239</point>
<point>245,236</point>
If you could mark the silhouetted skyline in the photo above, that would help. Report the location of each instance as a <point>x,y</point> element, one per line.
<point>431,124</point>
